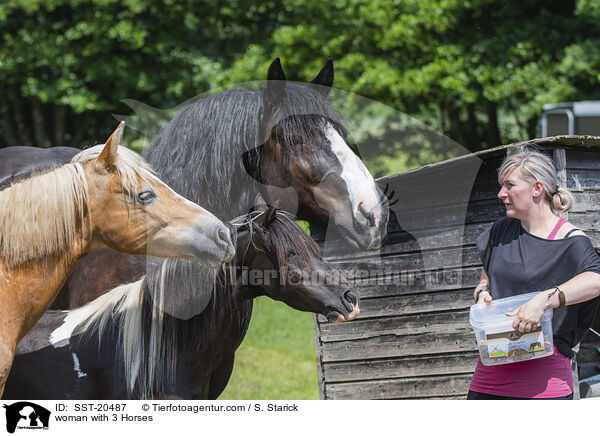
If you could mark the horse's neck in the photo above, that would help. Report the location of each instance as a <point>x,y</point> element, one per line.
<point>28,290</point>
<point>241,290</point>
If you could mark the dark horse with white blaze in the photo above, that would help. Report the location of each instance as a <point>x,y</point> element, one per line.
<point>123,345</point>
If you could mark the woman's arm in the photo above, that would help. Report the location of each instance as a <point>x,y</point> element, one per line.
<point>582,287</point>
<point>483,295</point>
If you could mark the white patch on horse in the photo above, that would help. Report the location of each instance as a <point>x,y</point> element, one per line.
<point>359,181</point>
<point>61,336</point>
<point>82,315</point>
<point>77,367</point>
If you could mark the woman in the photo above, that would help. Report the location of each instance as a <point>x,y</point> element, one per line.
<point>533,249</point>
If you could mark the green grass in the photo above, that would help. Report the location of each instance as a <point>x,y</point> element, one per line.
<point>276,361</point>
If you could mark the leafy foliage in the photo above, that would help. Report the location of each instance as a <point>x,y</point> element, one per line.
<point>478,70</point>
<point>85,55</point>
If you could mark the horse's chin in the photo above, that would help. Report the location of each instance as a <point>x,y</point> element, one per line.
<point>359,241</point>
<point>336,317</point>
<point>211,259</point>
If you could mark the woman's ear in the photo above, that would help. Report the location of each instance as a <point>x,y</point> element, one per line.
<point>538,189</point>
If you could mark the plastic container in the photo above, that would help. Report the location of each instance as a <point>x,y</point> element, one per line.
<point>499,343</point>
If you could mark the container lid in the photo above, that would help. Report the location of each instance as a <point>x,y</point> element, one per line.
<point>486,315</point>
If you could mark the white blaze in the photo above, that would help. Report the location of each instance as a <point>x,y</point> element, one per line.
<point>359,181</point>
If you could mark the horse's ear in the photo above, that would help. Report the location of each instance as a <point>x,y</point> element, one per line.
<point>324,79</point>
<point>275,70</point>
<point>271,99</point>
<point>259,203</point>
<point>108,156</point>
<point>275,85</point>
<point>270,215</point>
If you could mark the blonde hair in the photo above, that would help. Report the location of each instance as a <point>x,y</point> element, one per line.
<point>534,166</point>
<point>41,215</point>
<point>129,165</point>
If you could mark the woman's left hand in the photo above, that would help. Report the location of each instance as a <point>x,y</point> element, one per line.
<point>529,314</point>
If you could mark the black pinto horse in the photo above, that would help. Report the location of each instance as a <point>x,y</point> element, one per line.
<point>123,345</point>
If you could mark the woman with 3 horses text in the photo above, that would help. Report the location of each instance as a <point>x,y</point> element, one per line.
<point>530,249</point>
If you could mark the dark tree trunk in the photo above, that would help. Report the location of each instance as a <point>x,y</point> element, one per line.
<point>8,134</point>
<point>472,134</point>
<point>455,130</point>
<point>60,118</point>
<point>82,122</point>
<point>39,127</point>
<point>20,128</point>
<point>492,131</point>
<point>532,128</point>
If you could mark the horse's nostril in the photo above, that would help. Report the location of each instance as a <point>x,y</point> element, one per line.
<point>350,297</point>
<point>223,236</point>
<point>369,215</point>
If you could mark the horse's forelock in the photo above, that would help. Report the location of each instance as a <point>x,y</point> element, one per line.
<point>129,165</point>
<point>284,236</point>
<point>303,117</point>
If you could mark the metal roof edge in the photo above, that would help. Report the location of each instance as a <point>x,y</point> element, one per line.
<point>572,141</point>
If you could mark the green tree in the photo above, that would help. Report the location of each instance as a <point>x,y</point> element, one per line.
<point>477,70</point>
<point>65,64</point>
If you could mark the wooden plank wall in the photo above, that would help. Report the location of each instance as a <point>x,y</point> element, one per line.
<point>412,338</point>
<point>583,179</point>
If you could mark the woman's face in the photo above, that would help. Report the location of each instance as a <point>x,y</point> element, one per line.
<point>517,194</point>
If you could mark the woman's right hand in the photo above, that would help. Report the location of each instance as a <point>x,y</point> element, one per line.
<point>484,296</point>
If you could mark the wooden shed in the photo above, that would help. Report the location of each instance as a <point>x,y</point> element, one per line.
<point>412,338</point>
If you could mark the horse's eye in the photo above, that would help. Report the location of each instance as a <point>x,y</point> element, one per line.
<point>146,197</point>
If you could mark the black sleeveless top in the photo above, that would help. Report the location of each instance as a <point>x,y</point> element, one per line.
<point>518,262</point>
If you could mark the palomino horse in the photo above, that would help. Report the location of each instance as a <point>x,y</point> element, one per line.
<point>122,345</point>
<point>109,197</point>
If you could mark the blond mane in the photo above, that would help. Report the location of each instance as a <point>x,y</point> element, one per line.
<point>41,215</point>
